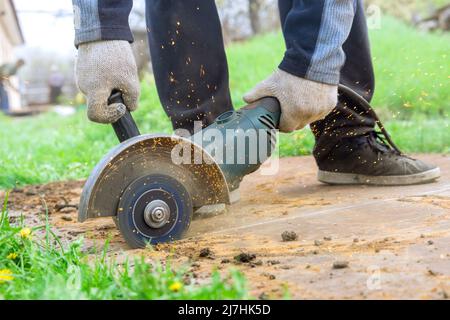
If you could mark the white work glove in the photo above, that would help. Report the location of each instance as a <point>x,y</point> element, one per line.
<point>302,101</point>
<point>104,66</point>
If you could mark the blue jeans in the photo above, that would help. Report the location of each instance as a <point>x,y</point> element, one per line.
<point>4,102</point>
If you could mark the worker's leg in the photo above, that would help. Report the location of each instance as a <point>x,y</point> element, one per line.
<point>357,73</point>
<point>4,101</point>
<point>189,61</point>
<point>284,6</point>
<point>348,151</point>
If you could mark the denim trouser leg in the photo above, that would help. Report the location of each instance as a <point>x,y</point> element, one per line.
<point>191,69</point>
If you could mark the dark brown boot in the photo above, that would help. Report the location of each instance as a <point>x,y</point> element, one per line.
<point>370,160</point>
<point>350,151</point>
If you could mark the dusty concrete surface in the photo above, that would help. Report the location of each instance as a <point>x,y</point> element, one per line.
<point>353,242</point>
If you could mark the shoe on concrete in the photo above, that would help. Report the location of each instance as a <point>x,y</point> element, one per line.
<point>370,160</point>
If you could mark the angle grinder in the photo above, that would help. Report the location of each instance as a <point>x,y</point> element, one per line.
<point>151,183</point>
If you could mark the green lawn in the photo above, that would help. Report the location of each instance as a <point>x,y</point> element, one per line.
<point>412,96</point>
<point>412,69</point>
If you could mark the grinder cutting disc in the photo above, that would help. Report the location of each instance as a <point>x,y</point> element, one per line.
<point>151,197</point>
<point>155,208</point>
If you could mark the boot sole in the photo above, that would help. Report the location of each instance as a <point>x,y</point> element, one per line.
<point>336,178</point>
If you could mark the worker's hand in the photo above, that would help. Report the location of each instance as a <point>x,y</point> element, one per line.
<point>302,101</point>
<point>104,66</point>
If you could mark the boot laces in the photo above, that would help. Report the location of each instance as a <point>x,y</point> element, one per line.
<point>380,140</point>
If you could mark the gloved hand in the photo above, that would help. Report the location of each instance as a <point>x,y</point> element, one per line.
<point>101,67</point>
<point>302,101</point>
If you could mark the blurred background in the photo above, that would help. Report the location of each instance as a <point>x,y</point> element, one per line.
<point>45,135</point>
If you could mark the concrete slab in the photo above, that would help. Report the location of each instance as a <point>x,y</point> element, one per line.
<point>395,240</point>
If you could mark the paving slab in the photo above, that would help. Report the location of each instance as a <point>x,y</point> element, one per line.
<point>389,242</point>
<point>396,239</point>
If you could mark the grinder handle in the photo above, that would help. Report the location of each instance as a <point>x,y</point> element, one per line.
<point>125,128</point>
<point>267,105</point>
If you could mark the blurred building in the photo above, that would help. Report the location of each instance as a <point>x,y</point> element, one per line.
<point>10,37</point>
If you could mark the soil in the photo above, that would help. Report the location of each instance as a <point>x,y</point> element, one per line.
<point>352,242</point>
<point>340,264</point>
<point>289,236</point>
<point>245,257</point>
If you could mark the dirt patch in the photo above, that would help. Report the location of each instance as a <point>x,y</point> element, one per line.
<point>58,197</point>
<point>245,257</point>
<point>287,236</point>
<point>206,253</point>
<point>340,264</point>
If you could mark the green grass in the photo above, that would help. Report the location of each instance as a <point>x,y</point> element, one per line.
<point>41,268</point>
<point>50,147</point>
<point>412,96</point>
<point>413,71</point>
<point>416,136</point>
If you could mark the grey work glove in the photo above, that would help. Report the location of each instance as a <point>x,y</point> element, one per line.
<point>104,66</point>
<point>302,101</point>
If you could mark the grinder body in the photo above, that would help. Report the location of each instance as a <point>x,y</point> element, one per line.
<point>242,140</point>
